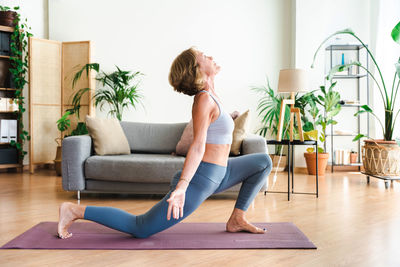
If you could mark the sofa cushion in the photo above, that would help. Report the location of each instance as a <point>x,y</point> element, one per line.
<point>153,137</point>
<point>239,132</point>
<point>148,168</point>
<point>108,136</point>
<point>186,140</point>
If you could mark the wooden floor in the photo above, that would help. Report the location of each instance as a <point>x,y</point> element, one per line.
<point>352,223</point>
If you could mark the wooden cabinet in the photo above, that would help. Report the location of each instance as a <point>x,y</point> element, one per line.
<point>52,66</point>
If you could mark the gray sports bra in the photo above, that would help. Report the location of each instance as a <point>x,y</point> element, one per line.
<point>220,131</point>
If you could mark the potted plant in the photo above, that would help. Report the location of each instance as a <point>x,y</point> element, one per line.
<point>120,89</point>
<point>122,94</point>
<point>268,108</point>
<point>8,17</point>
<point>322,109</point>
<point>380,157</point>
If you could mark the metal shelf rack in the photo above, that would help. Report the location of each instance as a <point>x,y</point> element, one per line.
<point>357,77</point>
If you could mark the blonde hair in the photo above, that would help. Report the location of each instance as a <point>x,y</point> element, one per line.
<point>185,76</point>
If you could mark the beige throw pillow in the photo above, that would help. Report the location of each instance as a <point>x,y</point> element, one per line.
<point>108,136</point>
<point>239,132</point>
<point>186,140</point>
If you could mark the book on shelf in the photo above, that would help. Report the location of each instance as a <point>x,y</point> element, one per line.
<point>340,132</point>
<point>342,156</point>
<point>8,131</point>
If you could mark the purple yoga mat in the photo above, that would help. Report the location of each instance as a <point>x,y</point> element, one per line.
<point>180,236</point>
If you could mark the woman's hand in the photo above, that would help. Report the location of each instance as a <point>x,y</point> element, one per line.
<point>176,202</point>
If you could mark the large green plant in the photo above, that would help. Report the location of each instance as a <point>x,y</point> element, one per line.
<point>388,95</point>
<point>19,68</point>
<point>120,90</point>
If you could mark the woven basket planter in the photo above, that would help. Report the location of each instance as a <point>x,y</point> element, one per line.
<point>381,157</point>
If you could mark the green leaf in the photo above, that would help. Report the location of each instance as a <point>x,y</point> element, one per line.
<point>339,68</point>
<point>366,108</point>
<point>358,137</point>
<point>323,89</point>
<point>320,150</point>
<point>308,126</point>
<point>311,135</point>
<point>396,33</point>
<point>359,112</point>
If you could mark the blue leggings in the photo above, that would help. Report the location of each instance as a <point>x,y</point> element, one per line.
<point>251,170</point>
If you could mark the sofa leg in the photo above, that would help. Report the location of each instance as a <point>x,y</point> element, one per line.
<point>78,195</point>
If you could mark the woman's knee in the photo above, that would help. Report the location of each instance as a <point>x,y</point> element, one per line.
<point>264,161</point>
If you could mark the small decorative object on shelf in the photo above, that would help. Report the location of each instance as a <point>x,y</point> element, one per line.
<point>353,157</point>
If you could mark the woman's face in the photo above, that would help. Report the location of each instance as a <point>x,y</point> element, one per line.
<point>207,65</point>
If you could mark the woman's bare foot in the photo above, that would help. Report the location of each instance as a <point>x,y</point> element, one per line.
<point>238,223</point>
<point>69,212</point>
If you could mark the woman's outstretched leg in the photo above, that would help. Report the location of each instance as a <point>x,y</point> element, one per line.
<point>155,220</point>
<point>252,171</point>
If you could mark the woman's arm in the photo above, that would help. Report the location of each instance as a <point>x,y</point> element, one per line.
<point>202,114</point>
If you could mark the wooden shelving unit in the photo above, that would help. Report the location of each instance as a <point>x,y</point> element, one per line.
<point>9,155</point>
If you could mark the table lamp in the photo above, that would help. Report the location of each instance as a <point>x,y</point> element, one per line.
<point>291,81</point>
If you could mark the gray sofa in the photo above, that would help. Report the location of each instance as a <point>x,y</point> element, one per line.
<point>149,169</point>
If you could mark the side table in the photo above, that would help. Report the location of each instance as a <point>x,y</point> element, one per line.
<point>291,145</point>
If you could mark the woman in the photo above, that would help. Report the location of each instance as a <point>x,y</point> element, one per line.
<point>206,170</point>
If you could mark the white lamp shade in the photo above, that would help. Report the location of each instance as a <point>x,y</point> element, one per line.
<point>293,80</point>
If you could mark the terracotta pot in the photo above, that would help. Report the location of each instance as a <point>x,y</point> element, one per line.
<point>353,157</point>
<point>311,163</point>
<point>7,18</point>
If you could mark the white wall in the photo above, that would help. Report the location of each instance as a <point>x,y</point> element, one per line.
<point>248,39</point>
<point>315,21</point>
<point>35,11</point>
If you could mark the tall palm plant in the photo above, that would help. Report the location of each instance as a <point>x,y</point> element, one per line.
<point>120,90</point>
<point>269,106</point>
